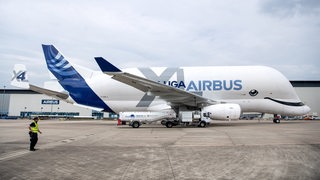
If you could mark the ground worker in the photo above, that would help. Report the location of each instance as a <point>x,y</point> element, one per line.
<point>33,132</point>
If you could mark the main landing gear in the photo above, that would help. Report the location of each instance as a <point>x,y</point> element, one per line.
<point>135,124</point>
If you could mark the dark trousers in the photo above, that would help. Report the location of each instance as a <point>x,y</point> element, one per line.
<point>33,140</point>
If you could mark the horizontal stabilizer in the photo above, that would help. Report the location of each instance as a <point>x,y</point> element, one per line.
<point>105,65</point>
<point>48,92</point>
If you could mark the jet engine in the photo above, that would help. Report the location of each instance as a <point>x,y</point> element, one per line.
<point>222,111</point>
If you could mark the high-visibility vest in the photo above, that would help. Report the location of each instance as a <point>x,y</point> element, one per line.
<point>35,129</point>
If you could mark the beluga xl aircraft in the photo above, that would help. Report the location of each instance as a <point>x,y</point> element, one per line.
<point>183,95</point>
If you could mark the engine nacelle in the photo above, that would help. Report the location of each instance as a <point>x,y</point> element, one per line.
<point>223,111</point>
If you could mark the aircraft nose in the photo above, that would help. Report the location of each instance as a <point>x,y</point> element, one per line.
<point>306,109</point>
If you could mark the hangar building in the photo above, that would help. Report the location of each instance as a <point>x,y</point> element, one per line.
<point>27,103</point>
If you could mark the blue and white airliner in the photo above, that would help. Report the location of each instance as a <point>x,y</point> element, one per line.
<point>219,92</point>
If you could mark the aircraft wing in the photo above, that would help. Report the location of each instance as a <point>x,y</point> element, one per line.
<point>170,94</point>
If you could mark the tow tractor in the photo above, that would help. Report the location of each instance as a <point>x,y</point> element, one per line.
<point>187,118</point>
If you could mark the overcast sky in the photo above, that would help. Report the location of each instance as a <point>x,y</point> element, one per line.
<point>283,34</point>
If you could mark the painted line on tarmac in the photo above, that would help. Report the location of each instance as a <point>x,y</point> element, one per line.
<point>12,155</point>
<point>19,153</point>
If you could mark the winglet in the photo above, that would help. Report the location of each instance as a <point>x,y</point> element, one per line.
<point>105,65</point>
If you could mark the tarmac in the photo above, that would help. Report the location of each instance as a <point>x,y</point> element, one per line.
<point>99,149</point>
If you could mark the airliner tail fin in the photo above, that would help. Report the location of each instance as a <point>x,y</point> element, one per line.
<point>19,77</point>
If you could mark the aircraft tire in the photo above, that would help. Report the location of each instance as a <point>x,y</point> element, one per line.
<point>135,124</point>
<point>169,124</point>
<point>202,124</point>
<point>277,121</point>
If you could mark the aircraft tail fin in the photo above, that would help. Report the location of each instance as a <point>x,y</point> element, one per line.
<point>20,78</point>
<point>58,65</point>
<point>73,79</point>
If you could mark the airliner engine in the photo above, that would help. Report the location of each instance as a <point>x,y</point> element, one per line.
<point>223,111</point>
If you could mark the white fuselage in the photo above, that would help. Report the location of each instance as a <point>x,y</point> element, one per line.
<point>251,87</point>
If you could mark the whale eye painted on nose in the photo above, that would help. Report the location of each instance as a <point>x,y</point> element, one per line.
<point>253,92</point>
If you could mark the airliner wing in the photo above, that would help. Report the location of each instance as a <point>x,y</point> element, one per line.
<point>171,94</point>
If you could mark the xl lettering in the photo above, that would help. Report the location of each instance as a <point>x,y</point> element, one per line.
<point>165,76</point>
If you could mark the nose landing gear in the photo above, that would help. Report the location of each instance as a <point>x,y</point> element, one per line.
<point>276,118</point>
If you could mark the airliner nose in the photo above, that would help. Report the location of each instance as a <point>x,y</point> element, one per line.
<point>306,109</point>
